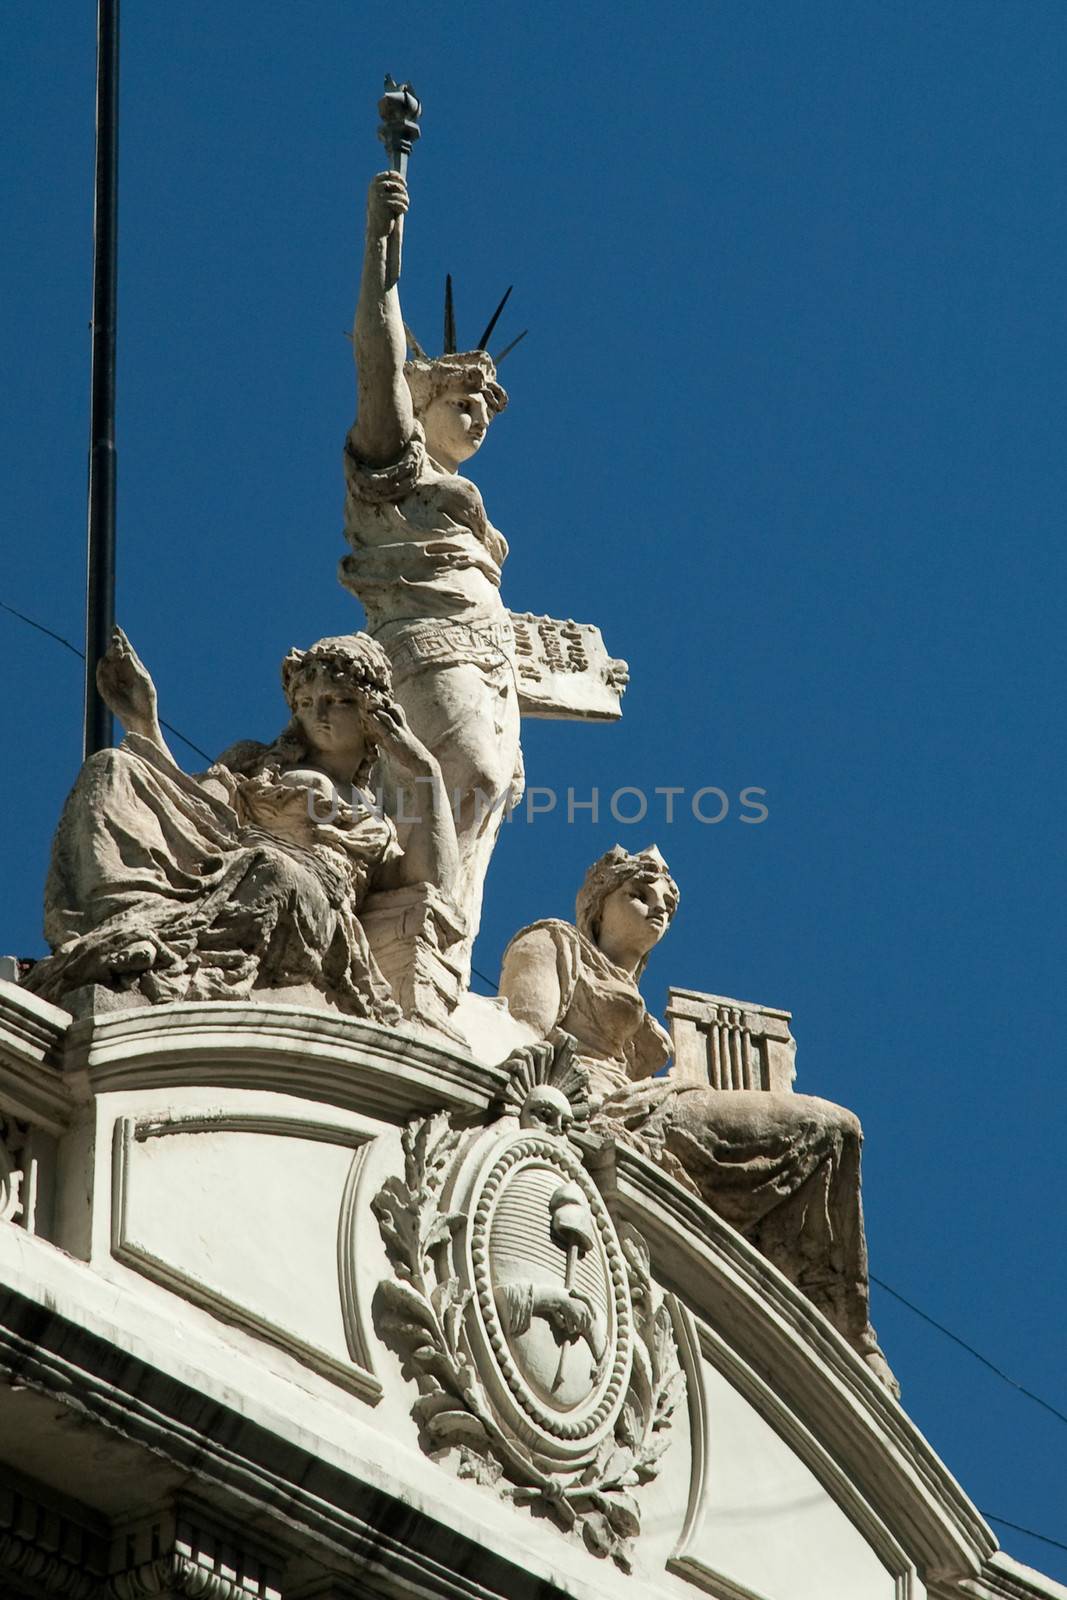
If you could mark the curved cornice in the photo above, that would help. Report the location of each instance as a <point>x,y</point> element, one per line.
<point>751,1323</point>
<point>286,1049</point>
<point>792,1350</point>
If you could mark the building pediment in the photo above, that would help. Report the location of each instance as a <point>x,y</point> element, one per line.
<point>211,1277</point>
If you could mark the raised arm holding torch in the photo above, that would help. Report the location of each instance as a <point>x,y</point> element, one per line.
<point>400,112</point>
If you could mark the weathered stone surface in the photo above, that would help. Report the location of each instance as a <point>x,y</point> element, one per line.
<point>784,1169</point>
<point>425,559</point>
<point>250,877</point>
<point>564,670</point>
<point>729,1044</point>
<point>416,938</point>
<point>211,1322</point>
<point>575,1370</point>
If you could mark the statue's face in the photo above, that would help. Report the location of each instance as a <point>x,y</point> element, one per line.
<point>636,915</point>
<point>455,425</point>
<point>330,717</point>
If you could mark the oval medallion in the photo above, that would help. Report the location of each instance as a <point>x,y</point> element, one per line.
<point>552,1295</point>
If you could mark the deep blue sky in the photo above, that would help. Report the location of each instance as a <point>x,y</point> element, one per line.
<point>789,425</point>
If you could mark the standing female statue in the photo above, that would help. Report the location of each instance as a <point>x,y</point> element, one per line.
<point>249,876</point>
<point>425,559</point>
<point>783,1169</point>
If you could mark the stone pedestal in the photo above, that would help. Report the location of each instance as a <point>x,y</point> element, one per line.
<point>416,937</point>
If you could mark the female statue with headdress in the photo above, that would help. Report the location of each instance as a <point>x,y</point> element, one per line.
<point>425,559</point>
<point>249,876</point>
<point>782,1168</point>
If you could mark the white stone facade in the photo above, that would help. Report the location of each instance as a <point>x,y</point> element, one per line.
<point>200,1393</point>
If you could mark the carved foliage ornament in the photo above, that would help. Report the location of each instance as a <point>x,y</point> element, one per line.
<point>530,1324</point>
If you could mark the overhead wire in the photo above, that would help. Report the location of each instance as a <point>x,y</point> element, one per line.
<point>977,1354</point>
<point>58,637</point>
<point>1029,1532</point>
<point>73,648</point>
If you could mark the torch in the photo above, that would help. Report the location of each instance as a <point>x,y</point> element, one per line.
<point>400,111</point>
<point>572,1228</point>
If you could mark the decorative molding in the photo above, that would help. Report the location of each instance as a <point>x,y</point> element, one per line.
<point>161,1126</point>
<point>697,1342</point>
<point>687,1338</point>
<point>415,1554</point>
<point>355,1205</point>
<point>48,1547</point>
<point>175,1575</point>
<point>45,1569</point>
<point>188,1572</point>
<point>702,1577</point>
<point>12,1177</point>
<point>30,1027</point>
<point>1002,1578</point>
<point>286,1049</point>
<point>838,1484</point>
<point>75,1366</point>
<point>722,1279</point>
<point>357,1378</point>
<point>32,1087</point>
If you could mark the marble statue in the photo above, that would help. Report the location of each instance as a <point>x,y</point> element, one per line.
<point>782,1168</point>
<point>250,875</point>
<point>425,560</point>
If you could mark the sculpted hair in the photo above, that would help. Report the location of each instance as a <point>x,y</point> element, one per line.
<point>351,659</point>
<point>613,871</point>
<point>470,373</point>
<point>354,659</point>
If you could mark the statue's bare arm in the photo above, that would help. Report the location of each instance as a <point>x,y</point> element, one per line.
<point>384,418</point>
<point>529,981</point>
<point>126,686</point>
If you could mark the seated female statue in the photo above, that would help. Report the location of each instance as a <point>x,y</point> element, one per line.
<point>783,1169</point>
<point>250,875</point>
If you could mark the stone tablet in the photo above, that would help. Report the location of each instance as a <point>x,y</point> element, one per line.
<point>564,671</point>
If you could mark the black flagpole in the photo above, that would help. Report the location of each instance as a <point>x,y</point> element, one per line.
<point>100,591</point>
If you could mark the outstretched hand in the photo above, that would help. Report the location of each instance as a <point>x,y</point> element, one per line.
<point>126,685</point>
<point>387,200</point>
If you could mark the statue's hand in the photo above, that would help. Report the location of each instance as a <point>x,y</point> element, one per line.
<point>126,685</point>
<point>403,753</point>
<point>567,1310</point>
<point>386,201</point>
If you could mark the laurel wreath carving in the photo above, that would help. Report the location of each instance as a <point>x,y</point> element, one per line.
<point>423,1308</point>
